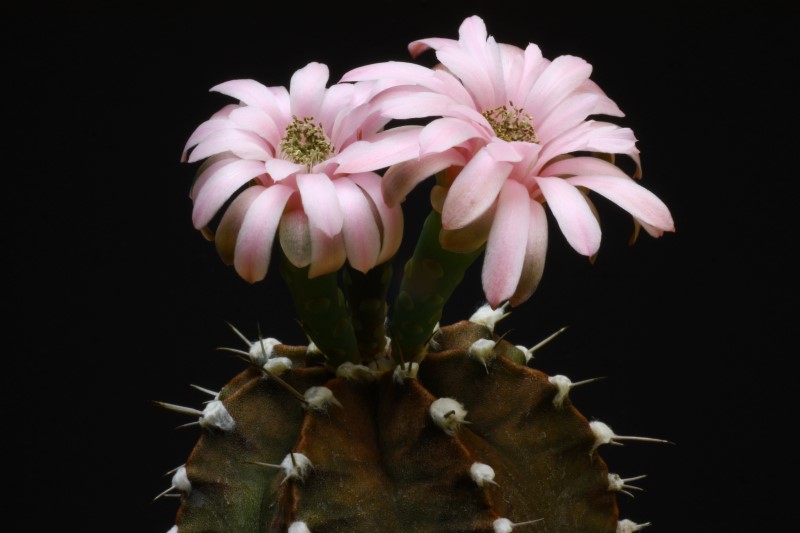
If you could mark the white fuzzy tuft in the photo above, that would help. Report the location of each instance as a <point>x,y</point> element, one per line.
<point>448,414</point>
<point>357,373</point>
<point>503,525</point>
<point>602,434</point>
<point>298,527</point>
<point>298,467</point>
<point>482,474</point>
<point>173,529</point>
<point>278,365</point>
<point>180,481</point>
<point>405,371</point>
<point>628,526</point>
<point>216,416</point>
<point>615,482</point>
<point>486,316</point>
<point>320,398</point>
<point>259,355</point>
<point>313,349</point>
<point>527,352</point>
<point>482,350</point>
<point>563,383</point>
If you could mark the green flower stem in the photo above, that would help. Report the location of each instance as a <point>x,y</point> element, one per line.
<point>366,298</point>
<point>323,312</point>
<point>429,279</point>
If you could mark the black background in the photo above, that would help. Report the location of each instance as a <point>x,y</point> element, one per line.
<point>115,300</point>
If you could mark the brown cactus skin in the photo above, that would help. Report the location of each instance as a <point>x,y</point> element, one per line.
<point>380,462</point>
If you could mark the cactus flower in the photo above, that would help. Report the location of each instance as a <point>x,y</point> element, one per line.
<point>271,169</point>
<point>511,131</point>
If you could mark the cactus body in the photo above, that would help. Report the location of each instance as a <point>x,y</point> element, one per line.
<point>381,462</point>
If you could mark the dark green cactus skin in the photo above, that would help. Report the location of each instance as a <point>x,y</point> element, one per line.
<point>380,462</point>
<point>429,279</point>
<point>366,298</point>
<point>323,312</point>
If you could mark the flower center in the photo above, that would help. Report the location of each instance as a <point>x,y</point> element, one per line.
<point>305,142</point>
<point>511,123</point>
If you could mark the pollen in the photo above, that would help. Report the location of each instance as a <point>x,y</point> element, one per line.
<point>305,142</point>
<point>511,123</point>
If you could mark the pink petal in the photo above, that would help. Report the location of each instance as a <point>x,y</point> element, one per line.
<point>576,166</point>
<point>320,204</point>
<point>472,74</point>
<point>605,105</point>
<point>204,130</point>
<point>327,253</point>
<point>470,237</point>
<point>445,133</point>
<point>573,214</point>
<point>535,252</point>
<point>220,187</point>
<point>415,48</point>
<point>393,146</point>
<point>630,196</point>
<point>411,102</point>
<point>505,151</point>
<point>400,179</point>
<point>251,93</point>
<point>295,237</point>
<point>474,190</point>
<point>231,223</point>
<point>533,65</point>
<point>307,89</point>
<point>590,136</point>
<point>505,249</point>
<point>280,169</point>
<point>564,75</point>
<point>403,72</point>
<point>245,144</point>
<point>391,218</point>
<point>362,240</point>
<point>254,243</point>
<point>338,100</point>
<point>255,120</point>
<point>566,115</point>
<point>209,167</point>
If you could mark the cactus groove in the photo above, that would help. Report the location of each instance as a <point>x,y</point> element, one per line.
<point>380,463</point>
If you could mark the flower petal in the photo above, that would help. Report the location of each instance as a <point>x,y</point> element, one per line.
<point>391,218</point>
<point>577,166</point>
<point>217,122</point>
<point>360,229</point>
<point>535,253</point>
<point>393,146</point>
<point>208,168</point>
<point>505,151</point>
<point>257,233</point>
<point>307,89</point>
<point>590,136</point>
<point>295,237</point>
<point>445,133</point>
<point>472,74</point>
<point>415,48</point>
<point>474,190</point>
<point>573,214</point>
<point>220,187</point>
<point>245,144</point>
<point>257,121</point>
<point>327,253</point>
<point>566,115</point>
<point>400,179</point>
<point>231,223</point>
<point>506,247</point>
<point>630,196</point>
<point>564,75</point>
<point>251,93</point>
<point>320,203</point>
<point>412,102</point>
<point>280,169</point>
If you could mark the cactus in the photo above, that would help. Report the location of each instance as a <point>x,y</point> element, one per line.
<point>386,421</point>
<point>458,442</point>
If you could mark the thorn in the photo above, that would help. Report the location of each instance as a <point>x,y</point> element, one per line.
<point>294,462</point>
<point>564,386</point>
<point>628,526</point>
<point>244,356</point>
<point>616,483</point>
<point>163,493</point>
<point>605,435</point>
<point>504,525</point>
<point>179,408</point>
<point>548,339</point>
<point>207,391</point>
<point>188,425</point>
<point>291,390</point>
<point>239,333</point>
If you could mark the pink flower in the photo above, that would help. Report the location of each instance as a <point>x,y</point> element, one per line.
<point>513,135</point>
<point>283,148</point>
